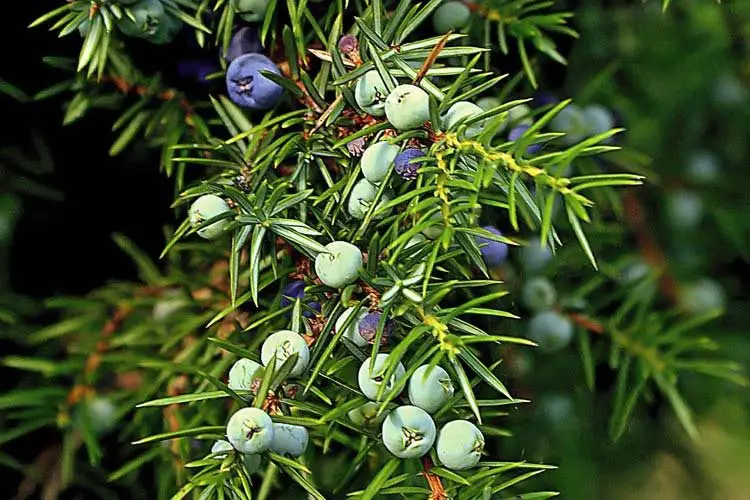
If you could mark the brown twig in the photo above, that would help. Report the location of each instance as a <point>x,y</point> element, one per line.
<point>431,58</point>
<point>433,481</point>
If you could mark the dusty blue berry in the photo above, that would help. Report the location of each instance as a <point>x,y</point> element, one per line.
<point>244,41</point>
<point>197,69</point>
<point>460,445</point>
<point>599,119</point>
<point>684,208</point>
<point>407,107</point>
<point>408,432</point>
<point>250,10</point>
<point>250,431</point>
<point>517,132</point>
<point>377,160</point>
<point>534,256</point>
<point>459,112</point>
<point>247,87</point>
<point>282,345</point>
<point>339,265</point>
<point>430,390</point>
<point>205,208</point>
<point>703,167</point>
<point>242,374</point>
<point>352,331</point>
<point>289,440</point>
<point>368,327</point>
<point>450,16</point>
<point>539,294</point>
<point>551,330</point>
<point>572,122</point>
<point>404,165</point>
<point>542,98</point>
<point>367,415</point>
<point>370,93</point>
<point>494,253</point>
<point>291,292</point>
<point>370,381</point>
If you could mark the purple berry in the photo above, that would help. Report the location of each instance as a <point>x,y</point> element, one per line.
<point>368,327</point>
<point>357,146</point>
<point>244,41</point>
<point>198,69</point>
<point>404,166</point>
<point>543,98</point>
<point>494,253</point>
<point>291,292</point>
<point>315,306</point>
<point>348,44</point>
<point>247,87</point>
<point>517,132</point>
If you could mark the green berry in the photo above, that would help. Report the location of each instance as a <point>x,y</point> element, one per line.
<point>572,122</point>
<point>370,381</point>
<point>370,93</point>
<point>430,390</point>
<point>252,463</point>
<point>539,294</point>
<point>362,195</point>
<point>408,432</point>
<point>100,415</point>
<point>367,415</point>
<point>519,115</point>
<point>450,16</point>
<point>534,256</point>
<point>221,448</point>
<point>352,332</point>
<point>151,22</point>
<point>702,296</point>
<point>289,440</point>
<point>684,208</point>
<point>551,330</point>
<point>488,102</point>
<point>242,373</point>
<point>598,119</point>
<point>377,160</point>
<point>250,431</point>
<point>458,113</point>
<point>407,107</point>
<point>460,445</point>
<point>207,207</point>
<point>339,265</point>
<point>283,344</point>
<point>250,10</point>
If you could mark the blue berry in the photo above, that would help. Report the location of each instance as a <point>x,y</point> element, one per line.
<point>339,265</point>
<point>404,165</point>
<point>282,345</point>
<point>572,122</point>
<point>250,431</point>
<point>534,256</point>
<point>352,332</point>
<point>207,207</point>
<point>450,16</point>
<point>430,390</point>
<point>370,381</point>
<point>368,327</point>
<point>242,374</point>
<point>367,415</point>
<point>539,294</point>
<point>517,132</point>
<point>198,69</point>
<point>370,93</point>
<point>250,10</point>
<point>289,440</point>
<point>551,330</point>
<point>494,253</point>
<point>244,41</point>
<point>247,87</point>
<point>292,291</point>
<point>408,432</point>
<point>407,107</point>
<point>377,160</point>
<point>460,111</point>
<point>543,98</point>
<point>460,445</point>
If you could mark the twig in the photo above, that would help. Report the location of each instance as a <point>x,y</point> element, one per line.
<point>433,481</point>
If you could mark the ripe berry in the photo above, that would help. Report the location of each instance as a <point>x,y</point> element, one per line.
<point>339,265</point>
<point>430,390</point>
<point>407,107</point>
<point>289,440</point>
<point>292,291</point>
<point>539,294</point>
<point>244,41</point>
<point>250,10</point>
<point>368,327</point>
<point>247,87</point>
<point>551,330</point>
<point>370,381</point>
<point>242,374</point>
<point>352,332</point>
<point>377,160</point>
<point>370,93</point>
<point>250,430</point>
<point>460,445</point>
<point>450,16</point>
<point>460,111</point>
<point>283,344</point>
<point>408,432</point>
<point>404,165</point>
<point>207,207</point>
<point>517,132</point>
<point>494,253</point>
<point>348,44</point>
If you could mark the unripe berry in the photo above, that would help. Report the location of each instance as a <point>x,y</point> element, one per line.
<point>252,463</point>
<point>598,119</point>
<point>242,374</point>
<point>339,265</point>
<point>289,440</point>
<point>283,344</point>
<point>460,111</point>
<point>370,381</point>
<point>247,87</point>
<point>520,115</point>
<point>571,121</point>
<point>221,447</point>
<point>460,445</point>
<point>701,296</point>
<point>408,432</point>
<point>250,431</point>
<point>377,160</point>
<point>370,93</point>
<point>151,22</point>
<point>430,390</point>
<point>684,208</point>
<point>539,294</point>
<point>207,207</point>
<point>367,415</point>
<point>352,332</point>
<point>703,167</point>
<point>100,413</point>
<point>494,253</point>
<point>551,330</point>
<point>450,16</point>
<point>415,240</point>
<point>534,257</point>
<point>250,10</point>
<point>363,193</point>
<point>407,107</point>
<point>368,327</point>
<point>405,167</point>
<point>488,102</point>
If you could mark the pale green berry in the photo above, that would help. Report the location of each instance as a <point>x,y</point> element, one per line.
<point>598,119</point>
<point>702,296</point>
<point>250,430</point>
<point>407,107</point>
<point>534,256</point>
<point>450,16</point>
<point>363,193</point>
<point>408,432</point>
<point>282,345</point>
<point>488,102</point>
<point>377,160</point>
<point>339,265</point>
<point>100,413</point>
<point>207,207</point>
<point>460,445</point>
<point>520,115</point>
<point>221,448</point>
<point>370,381</point>
<point>370,93</point>
<point>352,332</point>
<point>460,111</point>
<point>252,463</point>
<point>551,330</point>
<point>367,415</point>
<point>289,440</point>
<point>539,294</point>
<point>242,373</point>
<point>571,121</point>
<point>684,208</point>
<point>251,10</point>
<point>703,167</point>
<point>430,390</point>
